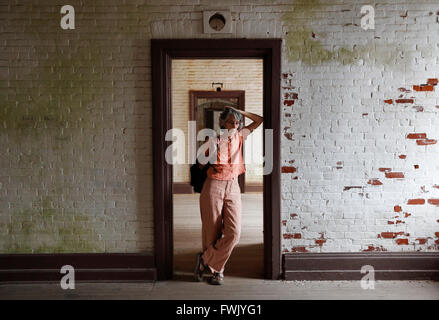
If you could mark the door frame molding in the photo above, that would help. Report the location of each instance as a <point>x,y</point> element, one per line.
<point>162,53</point>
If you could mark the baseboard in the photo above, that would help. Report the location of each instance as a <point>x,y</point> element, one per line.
<point>87,266</point>
<point>347,266</point>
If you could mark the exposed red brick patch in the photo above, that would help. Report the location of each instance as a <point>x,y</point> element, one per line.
<point>394,175</point>
<point>385,169</point>
<point>293,215</point>
<point>364,114</point>
<point>389,101</point>
<point>287,115</point>
<point>432,81</point>
<point>404,90</point>
<point>291,161</point>
<point>416,136</point>
<point>320,242</point>
<point>393,222</point>
<point>284,222</point>
<point>292,236</point>
<point>404,101</point>
<point>390,235</point>
<point>397,208</point>
<point>436,186</point>
<point>298,249</point>
<point>402,242</point>
<point>375,182</point>
<point>434,201</point>
<point>426,142</point>
<point>288,103</point>
<point>288,169</point>
<point>437,107</point>
<point>416,201</point>
<point>416,166</point>
<point>436,234</point>
<point>372,248</point>
<point>423,87</point>
<point>288,135</point>
<point>402,156</point>
<point>422,240</point>
<point>295,178</point>
<point>291,95</point>
<point>406,214</point>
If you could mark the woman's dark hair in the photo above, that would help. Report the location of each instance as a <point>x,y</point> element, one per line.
<point>226,113</point>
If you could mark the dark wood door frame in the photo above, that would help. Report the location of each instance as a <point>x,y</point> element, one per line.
<point>194,95</point>
<point>162,53</point>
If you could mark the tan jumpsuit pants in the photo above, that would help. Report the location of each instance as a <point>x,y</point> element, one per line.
<point>220,208</point>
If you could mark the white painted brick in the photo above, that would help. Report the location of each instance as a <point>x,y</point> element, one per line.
<point>332,96</point>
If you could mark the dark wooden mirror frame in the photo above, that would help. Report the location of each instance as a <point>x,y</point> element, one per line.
<point>162,53</point>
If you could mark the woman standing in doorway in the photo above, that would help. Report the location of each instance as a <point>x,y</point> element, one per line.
<point>220,198</point>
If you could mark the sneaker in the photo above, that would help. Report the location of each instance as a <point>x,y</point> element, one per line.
<point>217,279</point>
<point>198,272</point>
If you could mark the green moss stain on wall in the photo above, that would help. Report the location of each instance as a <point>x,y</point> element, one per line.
<point>299,41</point>
<point>44,229</point>
<point>303,44</point>
<point>55,88</point>
<point>301,47</point>
<point>62,95</point>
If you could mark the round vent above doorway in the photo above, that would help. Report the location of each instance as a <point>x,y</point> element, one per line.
<point>217,22</point>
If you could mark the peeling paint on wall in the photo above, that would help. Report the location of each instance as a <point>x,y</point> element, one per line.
<point>303,43</point>
<point>45,229</point>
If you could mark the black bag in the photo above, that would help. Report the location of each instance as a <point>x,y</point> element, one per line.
<point>199,176</point>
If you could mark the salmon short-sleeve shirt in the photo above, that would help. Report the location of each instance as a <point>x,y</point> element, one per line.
<point>229,161</point>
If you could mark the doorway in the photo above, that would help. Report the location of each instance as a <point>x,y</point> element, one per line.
<point>200,89</point>
<point>163,51</point>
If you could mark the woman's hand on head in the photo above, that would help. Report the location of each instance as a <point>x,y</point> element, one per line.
<point>231,108</point>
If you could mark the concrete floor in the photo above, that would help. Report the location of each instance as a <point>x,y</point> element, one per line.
<point>235,288</point>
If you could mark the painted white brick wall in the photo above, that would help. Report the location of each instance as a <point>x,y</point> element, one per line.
<point>76,156</point>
